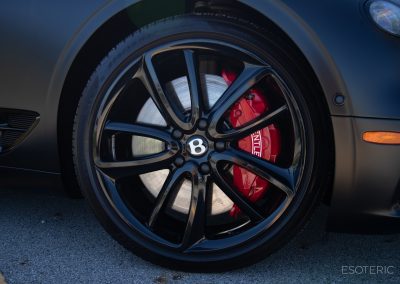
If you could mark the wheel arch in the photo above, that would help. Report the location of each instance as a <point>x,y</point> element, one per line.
<point>85,51</point>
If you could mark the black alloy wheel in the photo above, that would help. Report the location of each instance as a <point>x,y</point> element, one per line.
<point>160,156</point>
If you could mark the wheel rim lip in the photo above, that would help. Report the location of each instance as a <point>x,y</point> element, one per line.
<point>118,84</point>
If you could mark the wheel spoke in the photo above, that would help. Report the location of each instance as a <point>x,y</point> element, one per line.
<point>245,205</point>
<point>148,75</point>
<point>119,202</point>
<point>250,76</point>
<point>252,127</point>
<point>195,226</point>
<point>121,169</point>
<point>173,179</point>
<point>139,165</point>
<point>115,196</point>
<point>282,178</point>
<point>196,96</point>
<point>139,130</point>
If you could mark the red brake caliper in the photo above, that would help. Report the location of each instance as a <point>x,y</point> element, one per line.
<point>265,143</point>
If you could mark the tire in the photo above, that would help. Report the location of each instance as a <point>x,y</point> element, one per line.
<point>112,176</point>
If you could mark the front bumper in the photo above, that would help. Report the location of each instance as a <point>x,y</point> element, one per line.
<point>366,189</point>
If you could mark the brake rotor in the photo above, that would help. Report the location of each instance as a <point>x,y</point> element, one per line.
<point>149,114</point>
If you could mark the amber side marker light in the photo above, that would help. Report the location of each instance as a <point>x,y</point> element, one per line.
<point>382,137</point>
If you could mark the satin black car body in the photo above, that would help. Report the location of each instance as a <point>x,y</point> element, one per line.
<point>49,49</point>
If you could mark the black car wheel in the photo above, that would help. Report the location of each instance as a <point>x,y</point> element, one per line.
<point>195,143</point>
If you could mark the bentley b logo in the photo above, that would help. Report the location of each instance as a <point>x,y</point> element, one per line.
<point>197,146</point>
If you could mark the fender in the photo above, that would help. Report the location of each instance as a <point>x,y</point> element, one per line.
<point>279,12</point>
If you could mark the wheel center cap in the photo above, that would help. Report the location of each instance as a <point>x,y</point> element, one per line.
<point>197,146</point>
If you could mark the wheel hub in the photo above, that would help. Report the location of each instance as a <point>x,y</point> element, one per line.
<point>197,146</point>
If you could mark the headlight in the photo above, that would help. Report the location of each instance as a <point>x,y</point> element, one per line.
<point>386,15</point>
